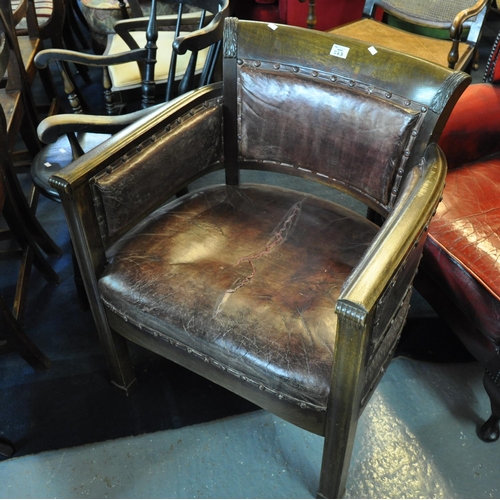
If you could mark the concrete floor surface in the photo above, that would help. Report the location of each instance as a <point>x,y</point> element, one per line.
<point>416,439</point>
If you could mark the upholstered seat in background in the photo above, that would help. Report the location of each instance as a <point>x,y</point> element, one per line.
<point>460,270</point>
<point>443,32</point>
<point>127,76</point>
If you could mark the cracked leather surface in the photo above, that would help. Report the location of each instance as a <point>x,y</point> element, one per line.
<point>376,135</point>
<point>463,247</point>
<point>233,269</point>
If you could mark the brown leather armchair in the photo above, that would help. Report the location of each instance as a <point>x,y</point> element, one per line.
<point>460,270</point>
<point>288,299</point>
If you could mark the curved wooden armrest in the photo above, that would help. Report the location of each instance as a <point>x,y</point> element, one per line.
<point>463,15</point>
<point>204,37</point>
<point>43,58</point>
<point>52,127</point>
<point>457,27</point>
<point>396,238</point>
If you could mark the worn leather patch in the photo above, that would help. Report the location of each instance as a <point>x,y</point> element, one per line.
<point>247,275</point>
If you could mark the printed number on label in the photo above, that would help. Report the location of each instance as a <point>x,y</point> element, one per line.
<point>339,51</point>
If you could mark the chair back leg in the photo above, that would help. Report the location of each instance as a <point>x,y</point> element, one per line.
<point>490,430</point>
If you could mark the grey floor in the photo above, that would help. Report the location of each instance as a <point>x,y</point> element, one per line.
<point>416,439</point>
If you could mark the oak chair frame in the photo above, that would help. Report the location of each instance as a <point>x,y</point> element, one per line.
<point>373,304</point>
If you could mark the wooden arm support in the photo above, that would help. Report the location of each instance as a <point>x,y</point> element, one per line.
<point>457,27</point>
<point>401,230</point>
<point>43,58</point>
<point>53,127</point>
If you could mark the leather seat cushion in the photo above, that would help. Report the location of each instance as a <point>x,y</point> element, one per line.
<point>462,251</point>
<point>248,276</point>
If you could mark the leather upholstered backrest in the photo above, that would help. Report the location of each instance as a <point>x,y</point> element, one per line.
<point>137,182</point>
<point>366,137</point>
<point>281,91</point>
<point>364,130</point>
<point>378,127</point>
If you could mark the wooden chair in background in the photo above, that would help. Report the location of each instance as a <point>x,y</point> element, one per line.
<point>183,61</point>
<point>27,240</point>
<point>25,236</point>
<point>21,19</point>
<point>445,33</point>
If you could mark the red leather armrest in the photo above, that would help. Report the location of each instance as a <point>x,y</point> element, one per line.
<point>473,130</point>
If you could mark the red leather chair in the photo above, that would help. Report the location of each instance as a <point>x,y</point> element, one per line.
<point>460,270</point>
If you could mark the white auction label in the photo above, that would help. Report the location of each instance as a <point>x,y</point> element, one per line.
<point>339,51</point>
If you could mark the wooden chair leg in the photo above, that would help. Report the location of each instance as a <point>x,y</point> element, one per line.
<point>19,213</point>
<point>337,452</point>
<point>47,244</point>
<point>19,342</point>
<point>25,238</point>
<point>21,295</point>
<point>30,236</point>
<point>475,60</point>
<point>79,285</point>
<point>490,430</point>
<point>119,362</point>
<point>344,408</point>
